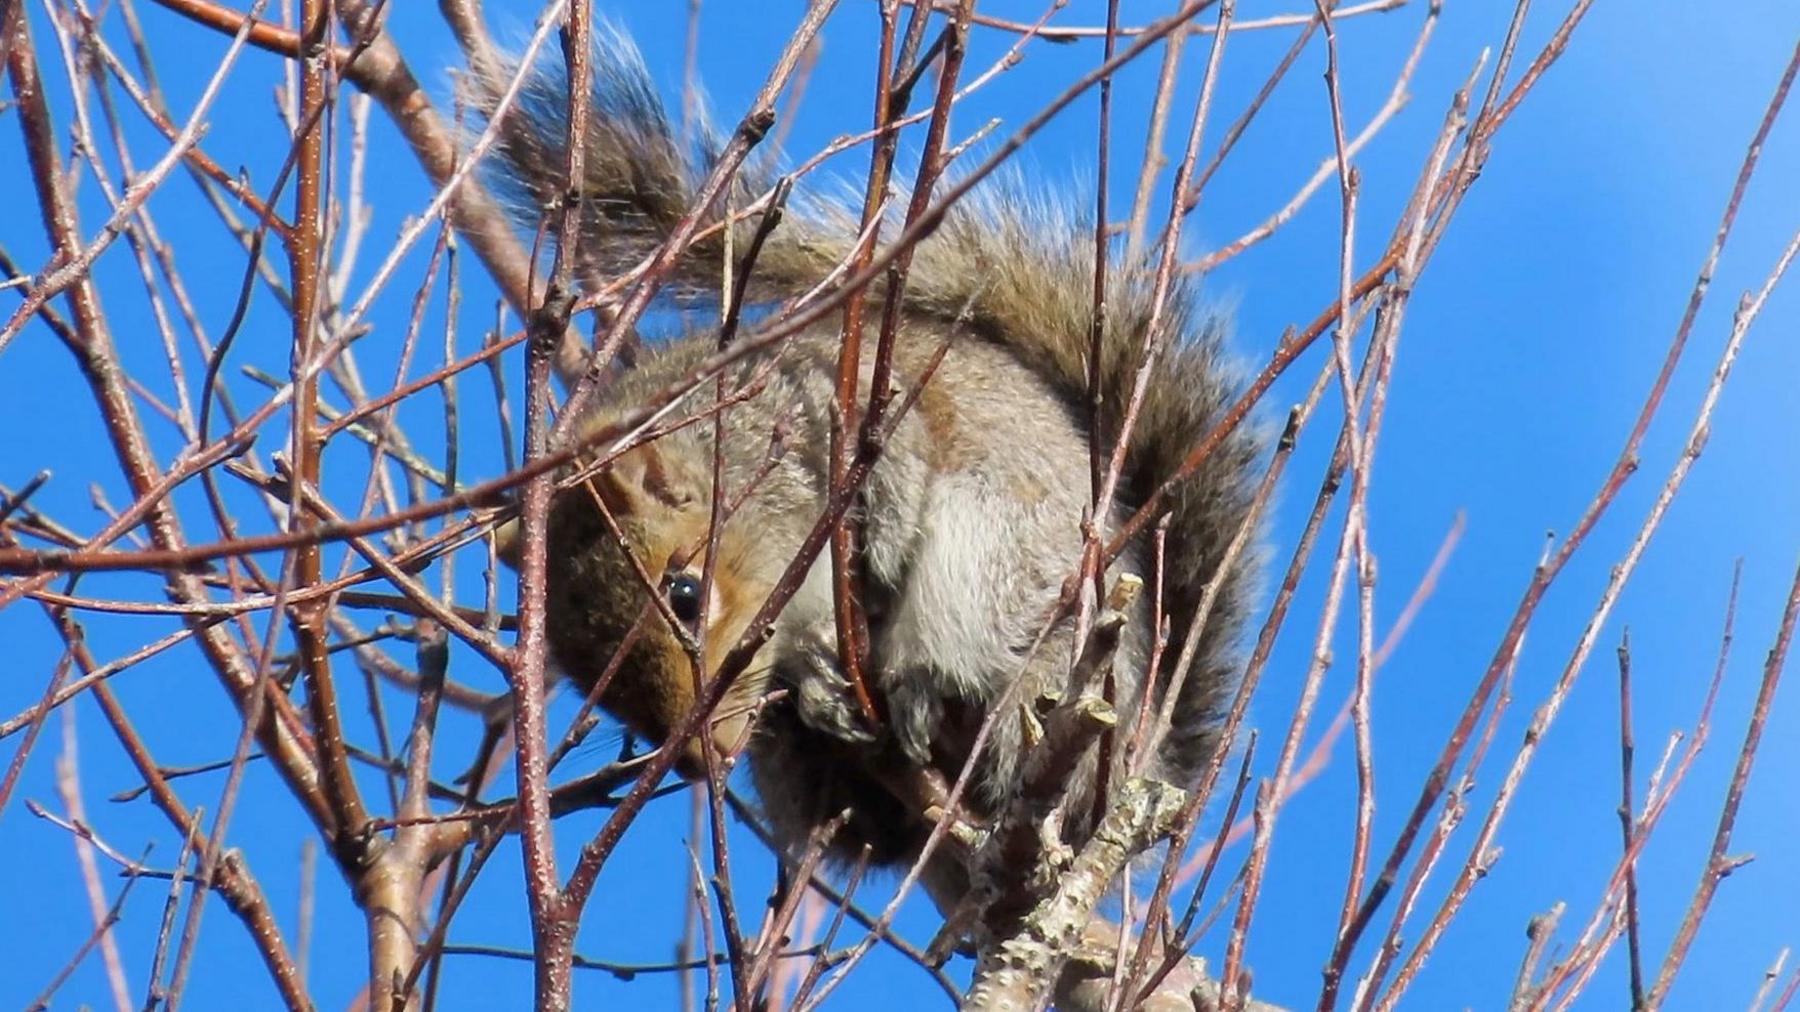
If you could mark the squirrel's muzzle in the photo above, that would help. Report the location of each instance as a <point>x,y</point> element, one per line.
<point>728,735</point>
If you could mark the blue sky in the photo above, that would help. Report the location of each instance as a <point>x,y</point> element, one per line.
<point>1528,348</point>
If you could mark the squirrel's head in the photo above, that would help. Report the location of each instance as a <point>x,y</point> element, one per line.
<point>637,527</point>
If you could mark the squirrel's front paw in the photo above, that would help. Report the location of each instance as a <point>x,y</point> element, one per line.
<point>824,698</point>
<point>915,712</point>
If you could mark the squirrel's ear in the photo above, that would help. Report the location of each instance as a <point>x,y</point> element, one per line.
<point>506,542</point>
<point>637,482</point>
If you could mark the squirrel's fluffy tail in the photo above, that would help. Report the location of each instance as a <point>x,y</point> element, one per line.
<point>1010,266</point>
<point>640,175</point>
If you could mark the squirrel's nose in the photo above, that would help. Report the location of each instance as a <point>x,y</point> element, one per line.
<point>690,765</point>
<point>728,735</point>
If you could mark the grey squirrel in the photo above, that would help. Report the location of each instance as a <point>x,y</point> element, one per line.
<point>970,523</point>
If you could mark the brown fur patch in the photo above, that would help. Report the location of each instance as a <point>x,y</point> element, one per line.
<point>948,450</point>
<point>1028,488</point>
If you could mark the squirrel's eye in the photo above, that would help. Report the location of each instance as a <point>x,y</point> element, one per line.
<point>684,597</point>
